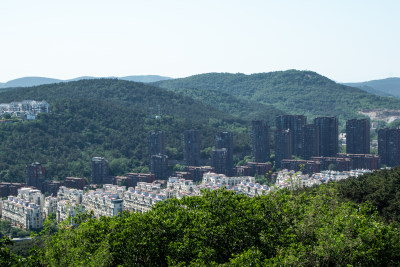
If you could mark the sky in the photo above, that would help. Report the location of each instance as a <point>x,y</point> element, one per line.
<point>345,40</point>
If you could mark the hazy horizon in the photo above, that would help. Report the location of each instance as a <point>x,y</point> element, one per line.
<point>345,41</point>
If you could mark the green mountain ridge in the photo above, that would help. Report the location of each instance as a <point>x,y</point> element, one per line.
<point>386,87</point>
<point>35,81</point>
<point>292,91</point>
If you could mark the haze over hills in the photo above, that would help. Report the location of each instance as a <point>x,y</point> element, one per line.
<point>292,91</point>
<point>34,81</point>
<point>384,87</point>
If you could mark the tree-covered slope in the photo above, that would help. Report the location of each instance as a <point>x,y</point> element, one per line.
<point>221,228</point>
<point>380,188</point>
<point>107,118</point>
<point>239,107</point>
<point>145,97</point>
<point>292,91</point>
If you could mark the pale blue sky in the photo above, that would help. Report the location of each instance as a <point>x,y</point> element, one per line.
<point>345,40</point>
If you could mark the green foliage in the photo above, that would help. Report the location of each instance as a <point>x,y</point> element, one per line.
<point>104,118</point>
<point>314,227</point>
<point>239,107</point>
<point>380,188</point>
<point>295,92</point>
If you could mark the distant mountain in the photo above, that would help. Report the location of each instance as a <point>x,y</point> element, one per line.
<point>145,78</point>
<point>29,81</point>
<point>385,87</point>
<point>34,81</point>
<point>292,91</point>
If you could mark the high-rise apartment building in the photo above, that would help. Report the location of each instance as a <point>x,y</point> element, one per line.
<point>283,146</point>
<point>159,166</point>
<point>191,147</point>
<point>35,175</point>
<point>156,141</point>
<point>219,161</point>
<point>295,123</point>
<point>260,140</point>
<point>225,140</point>
<point>310,141</point>
<point>389,146</point>
<point>100,170</point>
<point>328,136</point>
<point>358,136</point>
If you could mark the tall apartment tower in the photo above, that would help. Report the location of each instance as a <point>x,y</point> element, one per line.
<point>159,166</point>
<point>35,175</point>
<point>225,140</point>
<point>310,141</point>
<point>295,123</point>
<point>156,141</point>
<point>260,140</point>
<point>219,161</point>
<point>100,170</point>
<point>389,146</point>
<point>283,146</point>
<point>191,147</point>
<point>328,136</point>
<point>358,136</point>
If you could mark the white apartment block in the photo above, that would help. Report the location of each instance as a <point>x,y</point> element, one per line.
<point>224,180</point>
<point>27,109</point>
<point>25,210</point>
<point>69,203</point>
<point>67,209</point>
<point>143,197</point>
<point>50,206</point>
<point>104,202</point>
<point>31,195</point>
<point>252,189</point>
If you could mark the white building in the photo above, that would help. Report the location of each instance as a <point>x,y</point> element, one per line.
<point>22,213</point>
<point>224,180</point>
<point>27,109</point>
<point>104,202</point>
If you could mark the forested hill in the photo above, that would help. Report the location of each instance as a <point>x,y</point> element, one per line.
<point>107,118</point>
<point>239,107</point>
<point>144,97</point>
<point>292,91</point>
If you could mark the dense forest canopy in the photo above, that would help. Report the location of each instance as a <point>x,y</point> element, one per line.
<point>292,91</point>
<point>221,228</point>
<point>109,118</point>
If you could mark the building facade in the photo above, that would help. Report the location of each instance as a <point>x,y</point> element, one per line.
<point>35,175</point>
<point>310,141</point>
<point>358,136</point>
<point>328,136</point>
<point>283,146</point>
<point>295,123</point>
<point>156,143</point>
<point>159,166</point>
<point>191,147</point>
<point>260,140</point>
<point>100,170</point>
<point>389,146</point>
<point>225,140</point>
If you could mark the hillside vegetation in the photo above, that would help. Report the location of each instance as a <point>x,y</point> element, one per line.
<point>221,228</point>
<point>107,118</point>
<point>292,91</point>
<point>239,107</point>
<point>380,188</point>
